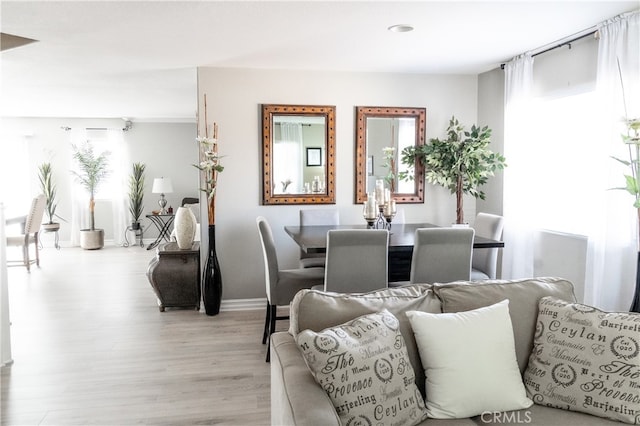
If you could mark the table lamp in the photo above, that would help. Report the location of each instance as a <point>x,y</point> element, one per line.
<point>162,186</point>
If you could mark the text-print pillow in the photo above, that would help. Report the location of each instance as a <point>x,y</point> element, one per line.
<point>364,368</point>
<point>587,360</point>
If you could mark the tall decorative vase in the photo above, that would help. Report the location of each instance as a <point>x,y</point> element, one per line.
<point>212,278</point>
<point>185,226</point>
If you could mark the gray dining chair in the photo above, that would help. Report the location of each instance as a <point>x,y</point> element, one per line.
<point>485,260</point>
<point>441,255</point>
<point>28,235</point>
<point>357,260</point>
<point>315,217</point>
<point>281,284</point>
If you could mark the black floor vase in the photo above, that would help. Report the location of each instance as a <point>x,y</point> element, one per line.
<point>635,304</point>
<point>212,278</point>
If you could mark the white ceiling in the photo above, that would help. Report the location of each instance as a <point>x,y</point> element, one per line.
<point>138,59</point>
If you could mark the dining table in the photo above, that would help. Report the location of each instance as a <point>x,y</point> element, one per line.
<point>313,239</point>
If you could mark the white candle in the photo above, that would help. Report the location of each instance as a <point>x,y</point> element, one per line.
<point>370,207</point>
<point>380,191</point>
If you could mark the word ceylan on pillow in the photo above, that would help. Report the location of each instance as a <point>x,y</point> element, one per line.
<point>364,368</point>
<point>470,362</point>
<point>586,360</point>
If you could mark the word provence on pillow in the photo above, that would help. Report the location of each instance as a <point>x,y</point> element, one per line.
<point>364,368</point>
<point>587,360</point>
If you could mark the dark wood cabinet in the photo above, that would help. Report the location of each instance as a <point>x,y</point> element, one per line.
<point>174,275</point>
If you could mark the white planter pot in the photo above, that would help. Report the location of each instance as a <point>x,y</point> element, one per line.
<point>91,240</point>
<point>185,227</point>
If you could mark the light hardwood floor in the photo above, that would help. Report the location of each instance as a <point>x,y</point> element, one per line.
<point>91,347</point>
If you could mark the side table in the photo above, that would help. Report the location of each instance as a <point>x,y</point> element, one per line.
<point>163,224</point>
<point>174,275</point>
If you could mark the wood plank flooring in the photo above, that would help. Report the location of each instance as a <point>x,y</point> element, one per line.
<point>90,347</point>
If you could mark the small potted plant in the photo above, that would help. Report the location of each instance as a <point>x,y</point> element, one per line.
<point>461,163</point>
<point>136,194</point>
<point>93,169</point>
<point>48,187</point>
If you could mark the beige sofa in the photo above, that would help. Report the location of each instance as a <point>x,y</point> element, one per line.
<point>297,399</point>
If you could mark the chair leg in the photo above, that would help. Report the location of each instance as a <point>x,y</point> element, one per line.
<point>36,239</point>
<point>272,318</point>
<point>266,324</point>
<point>272,327</point>
<point>25,257</point>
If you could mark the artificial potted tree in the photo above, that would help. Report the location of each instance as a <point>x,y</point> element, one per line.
<point>48,187</point>
<point>93,170</point>
<point>461,163</point>
<point>136,194</point>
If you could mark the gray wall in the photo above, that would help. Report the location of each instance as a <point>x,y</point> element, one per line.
<point>234,97</point>
<point>491,113</point>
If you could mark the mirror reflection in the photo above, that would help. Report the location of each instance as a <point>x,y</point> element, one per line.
<point>386,138</point>
<point>298,153</point>
<point>381,135</point>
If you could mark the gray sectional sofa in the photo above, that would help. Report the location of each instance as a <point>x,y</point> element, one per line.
<point>296,397</point>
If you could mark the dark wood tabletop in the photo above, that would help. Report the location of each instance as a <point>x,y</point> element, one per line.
<point>313,239</point>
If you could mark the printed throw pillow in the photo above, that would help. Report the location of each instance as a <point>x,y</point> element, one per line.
<point>469,361</point>
<point>586,360</point>
<point>364,368</point>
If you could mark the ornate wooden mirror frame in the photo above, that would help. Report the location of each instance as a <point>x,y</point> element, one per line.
<point>316,156</point>
<point>366,161</point>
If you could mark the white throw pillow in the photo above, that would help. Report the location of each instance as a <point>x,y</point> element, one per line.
<point>469,360</point>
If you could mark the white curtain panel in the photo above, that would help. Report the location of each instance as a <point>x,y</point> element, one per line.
<point>79,197</point>
<point>607,217</point>
<point>120,166</point>
<point>612,266</point>
<point>517,259</point>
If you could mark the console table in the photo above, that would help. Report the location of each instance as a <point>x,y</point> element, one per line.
<point>163,224</point>
<point>174,274</point>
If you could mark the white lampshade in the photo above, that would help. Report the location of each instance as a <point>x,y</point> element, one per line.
<point>162,185</point>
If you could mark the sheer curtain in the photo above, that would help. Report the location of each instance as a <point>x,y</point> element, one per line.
<point>614,243</point>
<point>118,182</point>
<point>517,259</point>
<point>560,177</point>
<point>113,189</point>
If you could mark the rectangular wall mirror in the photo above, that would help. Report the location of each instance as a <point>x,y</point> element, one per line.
<point>377,130</point>
<point>298,147</point>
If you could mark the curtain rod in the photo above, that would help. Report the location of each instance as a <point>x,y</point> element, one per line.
<point>565,42</point>
<point>128,125</point>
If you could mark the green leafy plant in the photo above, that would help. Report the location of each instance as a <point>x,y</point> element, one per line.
<point>48,187</point>
<point>93,170</point>
<point>136,191</point>
<point>461,163</point>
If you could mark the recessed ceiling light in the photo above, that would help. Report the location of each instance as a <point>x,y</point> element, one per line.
<point>400,28</point>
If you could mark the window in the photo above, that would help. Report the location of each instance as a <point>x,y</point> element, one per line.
<point>564,158</point>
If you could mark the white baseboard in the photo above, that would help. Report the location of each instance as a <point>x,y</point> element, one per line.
<point>243,304</point>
